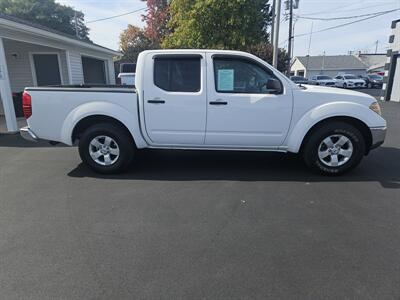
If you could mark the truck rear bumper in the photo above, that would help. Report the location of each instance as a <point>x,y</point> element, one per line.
<point>28,134</point>
<point>378,136</point>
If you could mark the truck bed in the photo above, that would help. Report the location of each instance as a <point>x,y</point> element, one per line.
<point>55,109</point>
<point>86,88</point>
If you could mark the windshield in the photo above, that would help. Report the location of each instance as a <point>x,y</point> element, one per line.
<point>375,76</point>
<point>324,77</point>
<point>350,77</point>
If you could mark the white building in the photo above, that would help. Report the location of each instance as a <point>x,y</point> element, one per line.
<point>375,62</point>
<point>33,55</point>
<point>330,65</point>
<point>391,80</point>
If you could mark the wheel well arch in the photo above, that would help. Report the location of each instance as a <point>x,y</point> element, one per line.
<point>88,121</point>
<point>360,125</point>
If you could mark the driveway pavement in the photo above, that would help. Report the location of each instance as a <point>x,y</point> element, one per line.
<point>377,93</point>
<point>198,225</point>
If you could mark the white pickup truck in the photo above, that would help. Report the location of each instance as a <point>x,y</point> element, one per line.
<point>206,99</point>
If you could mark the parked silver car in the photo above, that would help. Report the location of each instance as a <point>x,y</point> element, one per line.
<point>323,80</point>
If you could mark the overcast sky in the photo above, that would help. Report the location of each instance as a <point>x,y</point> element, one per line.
<point>356,37</point>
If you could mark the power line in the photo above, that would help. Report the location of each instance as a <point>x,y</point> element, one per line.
<point>337,26</point>
<point>344,24</point>
<point>116,16</point>
<point>344,10</point>
<point>348,17</point>
<point>328,11</point>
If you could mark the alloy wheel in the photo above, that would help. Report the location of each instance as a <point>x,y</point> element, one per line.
<point>104,150</point>
<point>335,150</point>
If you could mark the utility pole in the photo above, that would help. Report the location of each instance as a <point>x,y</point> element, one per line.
<point>76,25</point>
<point>309,48</point>
<point>276,32</point>
<point>290,35</point>
<point>273,21</point>
<point>376,46</point>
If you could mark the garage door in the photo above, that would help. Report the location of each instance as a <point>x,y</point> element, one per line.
<point>93,70</point>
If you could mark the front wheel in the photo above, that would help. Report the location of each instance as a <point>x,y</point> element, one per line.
<point>106,148</point>
<point>334,148</point>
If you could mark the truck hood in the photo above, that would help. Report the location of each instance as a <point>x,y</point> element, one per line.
<point>331,94</point>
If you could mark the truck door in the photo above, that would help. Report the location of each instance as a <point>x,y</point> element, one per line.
<point>241,111</point>
<point>175,98</point>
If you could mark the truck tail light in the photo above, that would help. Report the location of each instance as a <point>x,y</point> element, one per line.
<point>27,105</point>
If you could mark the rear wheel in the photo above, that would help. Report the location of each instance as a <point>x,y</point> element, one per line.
<point>345,85</point>
<point>106,148</point>
<point>334,148</point>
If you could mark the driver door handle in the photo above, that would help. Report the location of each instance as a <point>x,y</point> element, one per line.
<point>156,101</point>
<point>218,102</point>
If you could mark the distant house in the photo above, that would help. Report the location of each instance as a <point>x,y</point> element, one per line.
<point>309,66</point>
<point>34,55</point>
<point>375,62</point>
<point>391,80</point>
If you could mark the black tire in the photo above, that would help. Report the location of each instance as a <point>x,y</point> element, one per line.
<point>121,138</point>
<point>345,85</point>
<point>312,145</point>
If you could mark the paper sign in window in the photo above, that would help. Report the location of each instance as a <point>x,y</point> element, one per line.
<point>225,80</point>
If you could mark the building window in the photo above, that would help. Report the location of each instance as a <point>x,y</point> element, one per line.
<point>94,70</point>
<point>46,69</point>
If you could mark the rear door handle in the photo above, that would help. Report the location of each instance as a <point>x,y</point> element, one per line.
<point>218,103</point>
<point>156,101</point>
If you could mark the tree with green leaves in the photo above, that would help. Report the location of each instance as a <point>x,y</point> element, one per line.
<point>47,13</point>
<point>265,52</point>
<point>219,24</point>
<point>132,41</point>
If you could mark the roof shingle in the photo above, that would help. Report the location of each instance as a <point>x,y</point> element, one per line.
<point>333,62</point>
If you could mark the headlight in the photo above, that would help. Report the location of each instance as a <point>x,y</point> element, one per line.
<point>351,82</point>
<point>376,108</point>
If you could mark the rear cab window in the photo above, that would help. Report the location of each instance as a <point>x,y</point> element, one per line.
<point>174,73</point>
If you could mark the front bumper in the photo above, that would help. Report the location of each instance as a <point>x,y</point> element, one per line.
<point>377,84</point>
<point>378,136</point>
<point>28,134</point>
<point>356,85</point>
<point>328,84</point>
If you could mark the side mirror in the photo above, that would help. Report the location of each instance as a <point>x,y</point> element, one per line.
<point>274,86</point>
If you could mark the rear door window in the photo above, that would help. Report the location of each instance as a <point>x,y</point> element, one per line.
<point>177,74</point>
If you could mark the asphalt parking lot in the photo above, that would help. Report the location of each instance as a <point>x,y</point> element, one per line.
<point>377,93</point>
<point>198,225</point>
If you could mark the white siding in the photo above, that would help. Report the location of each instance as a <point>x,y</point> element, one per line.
<point>19,65</point>
<point>76,70</point>
<point>298,66</point>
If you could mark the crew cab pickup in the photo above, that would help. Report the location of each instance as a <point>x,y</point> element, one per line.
<point>206,99</point>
